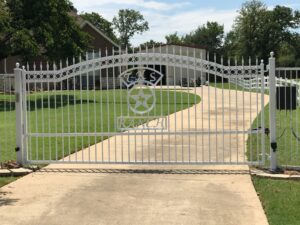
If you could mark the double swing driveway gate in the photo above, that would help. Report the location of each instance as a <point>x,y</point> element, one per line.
<point>166,105</point>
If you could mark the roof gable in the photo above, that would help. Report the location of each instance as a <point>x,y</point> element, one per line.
<point>87,23</point>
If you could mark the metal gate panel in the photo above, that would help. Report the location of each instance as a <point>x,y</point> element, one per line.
<point>153,106</point>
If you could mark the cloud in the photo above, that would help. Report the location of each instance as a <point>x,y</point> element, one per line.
<point>154,5</point>
<point>294,6</point>
<point>161,22</point>
<point>163,6</point>
<point>162,25</point>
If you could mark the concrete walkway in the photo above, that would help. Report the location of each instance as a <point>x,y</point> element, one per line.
<point>106,194</point>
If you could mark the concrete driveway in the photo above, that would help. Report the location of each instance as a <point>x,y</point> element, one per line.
<point>219,110</point>
<point>133,195</point>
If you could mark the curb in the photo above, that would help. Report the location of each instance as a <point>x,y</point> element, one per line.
<point>14,172</point>
<point>254,172</point>
<point>264,174</point>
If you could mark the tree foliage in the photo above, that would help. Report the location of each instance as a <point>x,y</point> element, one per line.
<point>4,18</point>
<point>102,24</point>
<point>286,55</point>
<point>150,44</point>
<point>297,48</point>
<point>174,39</point>
<point>40,28</point>
<point>4,27</point>
<point>210,35</point>
<point>257,30</point>
<point>32,28</point>
<point>129,22</point>
<point>249,29</point>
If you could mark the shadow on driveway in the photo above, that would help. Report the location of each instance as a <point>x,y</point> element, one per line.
<point>4,201</point>
<point>144,171</point>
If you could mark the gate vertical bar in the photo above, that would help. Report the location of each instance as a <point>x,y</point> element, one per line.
<point>19,114</point>
<point>272,86</point>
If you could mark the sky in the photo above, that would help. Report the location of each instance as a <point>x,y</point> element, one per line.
<point>167,16</point>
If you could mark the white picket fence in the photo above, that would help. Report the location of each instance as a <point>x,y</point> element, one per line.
<point>256,84</point>
<point>7,82</point>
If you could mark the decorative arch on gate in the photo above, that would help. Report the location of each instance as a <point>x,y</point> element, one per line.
<point>140,59</point>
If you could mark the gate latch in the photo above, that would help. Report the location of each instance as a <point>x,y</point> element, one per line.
<point>267,131</point>
<point>274,146</point>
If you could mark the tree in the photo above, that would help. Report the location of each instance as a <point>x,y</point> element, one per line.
<point>210,35</point>
<point>4,27</point>
<point>150,44</point>
<point>281,22</point>
<point>129,22</point>
<point>230,44</point>
<point>49,31</point>
<point>297,48</point>
<point>174,39</point>
<point>249,28</point>
<point>102,24</point>
<point>258,31</point>
<point>14,38</point>
<point>286,55</point>
<point>289,52</point>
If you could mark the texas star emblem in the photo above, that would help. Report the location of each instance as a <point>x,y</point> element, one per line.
<point>141,99</point>
<point>141,92</point>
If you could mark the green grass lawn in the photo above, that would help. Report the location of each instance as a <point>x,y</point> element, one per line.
<point>288,133</point>
<point>6,180</point>
<point>280,199</point>
<point>7,127</point>
<point>76,111</point>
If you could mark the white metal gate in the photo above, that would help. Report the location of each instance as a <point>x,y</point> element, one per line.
<point>166,105</point>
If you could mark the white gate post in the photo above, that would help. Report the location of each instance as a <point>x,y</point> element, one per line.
<point>19,113</point>
<point>262,122</point>
<point>272,108</point>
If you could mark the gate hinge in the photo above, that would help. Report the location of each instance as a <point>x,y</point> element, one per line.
<point>274,146</point>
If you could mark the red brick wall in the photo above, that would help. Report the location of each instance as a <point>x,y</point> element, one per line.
<point>98,41</point>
